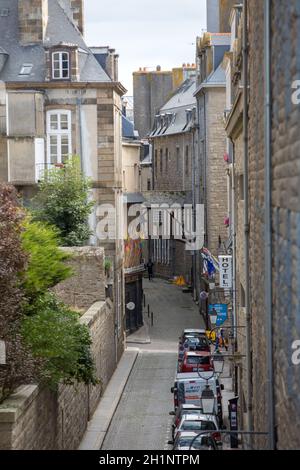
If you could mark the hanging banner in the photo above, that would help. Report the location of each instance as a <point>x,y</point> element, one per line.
<point>220,311</point>
<point>225,263</point>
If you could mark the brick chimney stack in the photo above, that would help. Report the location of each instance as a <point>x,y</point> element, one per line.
<point>33,19</point>
<point>77,7</point>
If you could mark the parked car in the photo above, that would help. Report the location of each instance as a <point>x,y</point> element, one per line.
<point>198,423</point>
<point>188,389</point>
<point>192,441</point>
<point>190,333</point>
<point>196,361</point>
<point>184,410</point>
<point>192,343</point>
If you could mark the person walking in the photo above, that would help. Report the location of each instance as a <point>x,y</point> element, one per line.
<point>150,269</point>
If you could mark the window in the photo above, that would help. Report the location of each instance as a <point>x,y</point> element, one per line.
<point>60,65</point>
<point>187,160</point>
<point>177,158</point>
<point>167,160</point>
<point>161,160</point>
<point>59,139</point>
<point>241,187</point>
<point>149,184</point>
<point>26,69</point>
<point>155,163</point>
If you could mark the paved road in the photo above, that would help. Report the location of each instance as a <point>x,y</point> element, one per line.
<point>142,420</point>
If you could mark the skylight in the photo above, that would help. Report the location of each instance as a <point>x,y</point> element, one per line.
<point>26,69</point>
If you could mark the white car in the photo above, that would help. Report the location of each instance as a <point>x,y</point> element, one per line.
<point>199,422</point>
<point>192,441</point>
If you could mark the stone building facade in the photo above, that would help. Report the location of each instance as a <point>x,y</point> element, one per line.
<point>285,218</point>
<point>173,148</point>
<point>273,191</point>
<point>60,101</point>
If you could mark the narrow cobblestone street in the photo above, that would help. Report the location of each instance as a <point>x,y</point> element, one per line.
<point>142,418</point>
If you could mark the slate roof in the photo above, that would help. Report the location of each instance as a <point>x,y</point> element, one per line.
<point>175,108</point>
<point>216,78</point>
<point>60,29</point>
<point>128,128</point>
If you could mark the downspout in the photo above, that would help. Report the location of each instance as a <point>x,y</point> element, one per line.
<point>194,199</point>
<point>268,226</point>
<point>246,221</point>
<point>233,234</point>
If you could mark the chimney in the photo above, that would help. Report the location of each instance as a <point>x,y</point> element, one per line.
<point>213,18</point>
<point>78,14</point>
<point>225,11</point>
<point>33,19</point>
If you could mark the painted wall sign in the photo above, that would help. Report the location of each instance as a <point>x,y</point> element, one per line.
<point>225,263</point>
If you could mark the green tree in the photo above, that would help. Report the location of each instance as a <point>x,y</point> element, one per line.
<point>62,201</point>
<point>46,261</point>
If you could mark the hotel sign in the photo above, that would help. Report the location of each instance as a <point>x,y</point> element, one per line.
<point>225,263</point>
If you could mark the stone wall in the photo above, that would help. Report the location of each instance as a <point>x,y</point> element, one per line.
<point>37,419</point>
<point>172,165</point>
<point>87,285</point>
<point>216,178</point>
<point>285,217</point>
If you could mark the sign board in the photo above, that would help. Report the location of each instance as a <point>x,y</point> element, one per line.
<point>225,264</point>
<point>2,353</point>
<point>221,310</point>
<point>131,306</point>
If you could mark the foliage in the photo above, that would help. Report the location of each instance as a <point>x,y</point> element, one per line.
<point>62,201</point>
<point>12,261</point>
<point>46,261</point>
<point>54,334</point>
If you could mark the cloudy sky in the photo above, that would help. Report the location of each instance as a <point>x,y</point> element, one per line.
<point>146,33</point>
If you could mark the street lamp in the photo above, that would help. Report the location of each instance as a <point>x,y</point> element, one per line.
<point>218,361</point>
<point>208,401</point>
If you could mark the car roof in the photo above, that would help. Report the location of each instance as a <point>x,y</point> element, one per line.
<point>187,331</point>
<point>198,417</point>
<point>197,353</point>
<point>190,407</point>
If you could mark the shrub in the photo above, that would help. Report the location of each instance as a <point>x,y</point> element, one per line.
<point>62,201</point>
<point>12,261</point>
<point>54,335</point>
<point>46,261</point>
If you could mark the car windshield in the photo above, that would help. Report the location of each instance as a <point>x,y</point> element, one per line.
<point>198,426</point>
<point>198,444</point>
<point>198,360</point>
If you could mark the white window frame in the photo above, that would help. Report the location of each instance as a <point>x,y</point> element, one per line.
<point>60,69</point>
<point>58,133</point>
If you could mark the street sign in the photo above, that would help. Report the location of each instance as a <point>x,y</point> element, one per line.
<point>130,306</point>
<point>221,310</point>
<point>233,420</point>
<point>225,264</point>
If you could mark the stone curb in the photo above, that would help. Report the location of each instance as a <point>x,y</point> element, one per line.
<point>100,422</point>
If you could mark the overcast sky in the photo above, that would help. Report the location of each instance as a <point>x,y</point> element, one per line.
<point>145,33</point>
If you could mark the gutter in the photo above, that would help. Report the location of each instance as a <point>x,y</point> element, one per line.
<point>268,226</point>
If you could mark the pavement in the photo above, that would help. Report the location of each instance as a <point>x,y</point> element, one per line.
<point>100,422</point>
<point>133,413</point>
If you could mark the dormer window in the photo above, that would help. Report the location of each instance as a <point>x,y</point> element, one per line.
<point>60,65</point>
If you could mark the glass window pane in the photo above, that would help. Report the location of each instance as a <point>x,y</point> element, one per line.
<point>65,73</point>
<point>54,122</point>
<point>53,149</point>
<point>64,124</point>
<point>56,73</point>
<point>65,56</point>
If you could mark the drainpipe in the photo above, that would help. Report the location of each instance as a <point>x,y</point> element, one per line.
<point>246,220</point>
<point>233,234</point>
<point>268,226</point>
